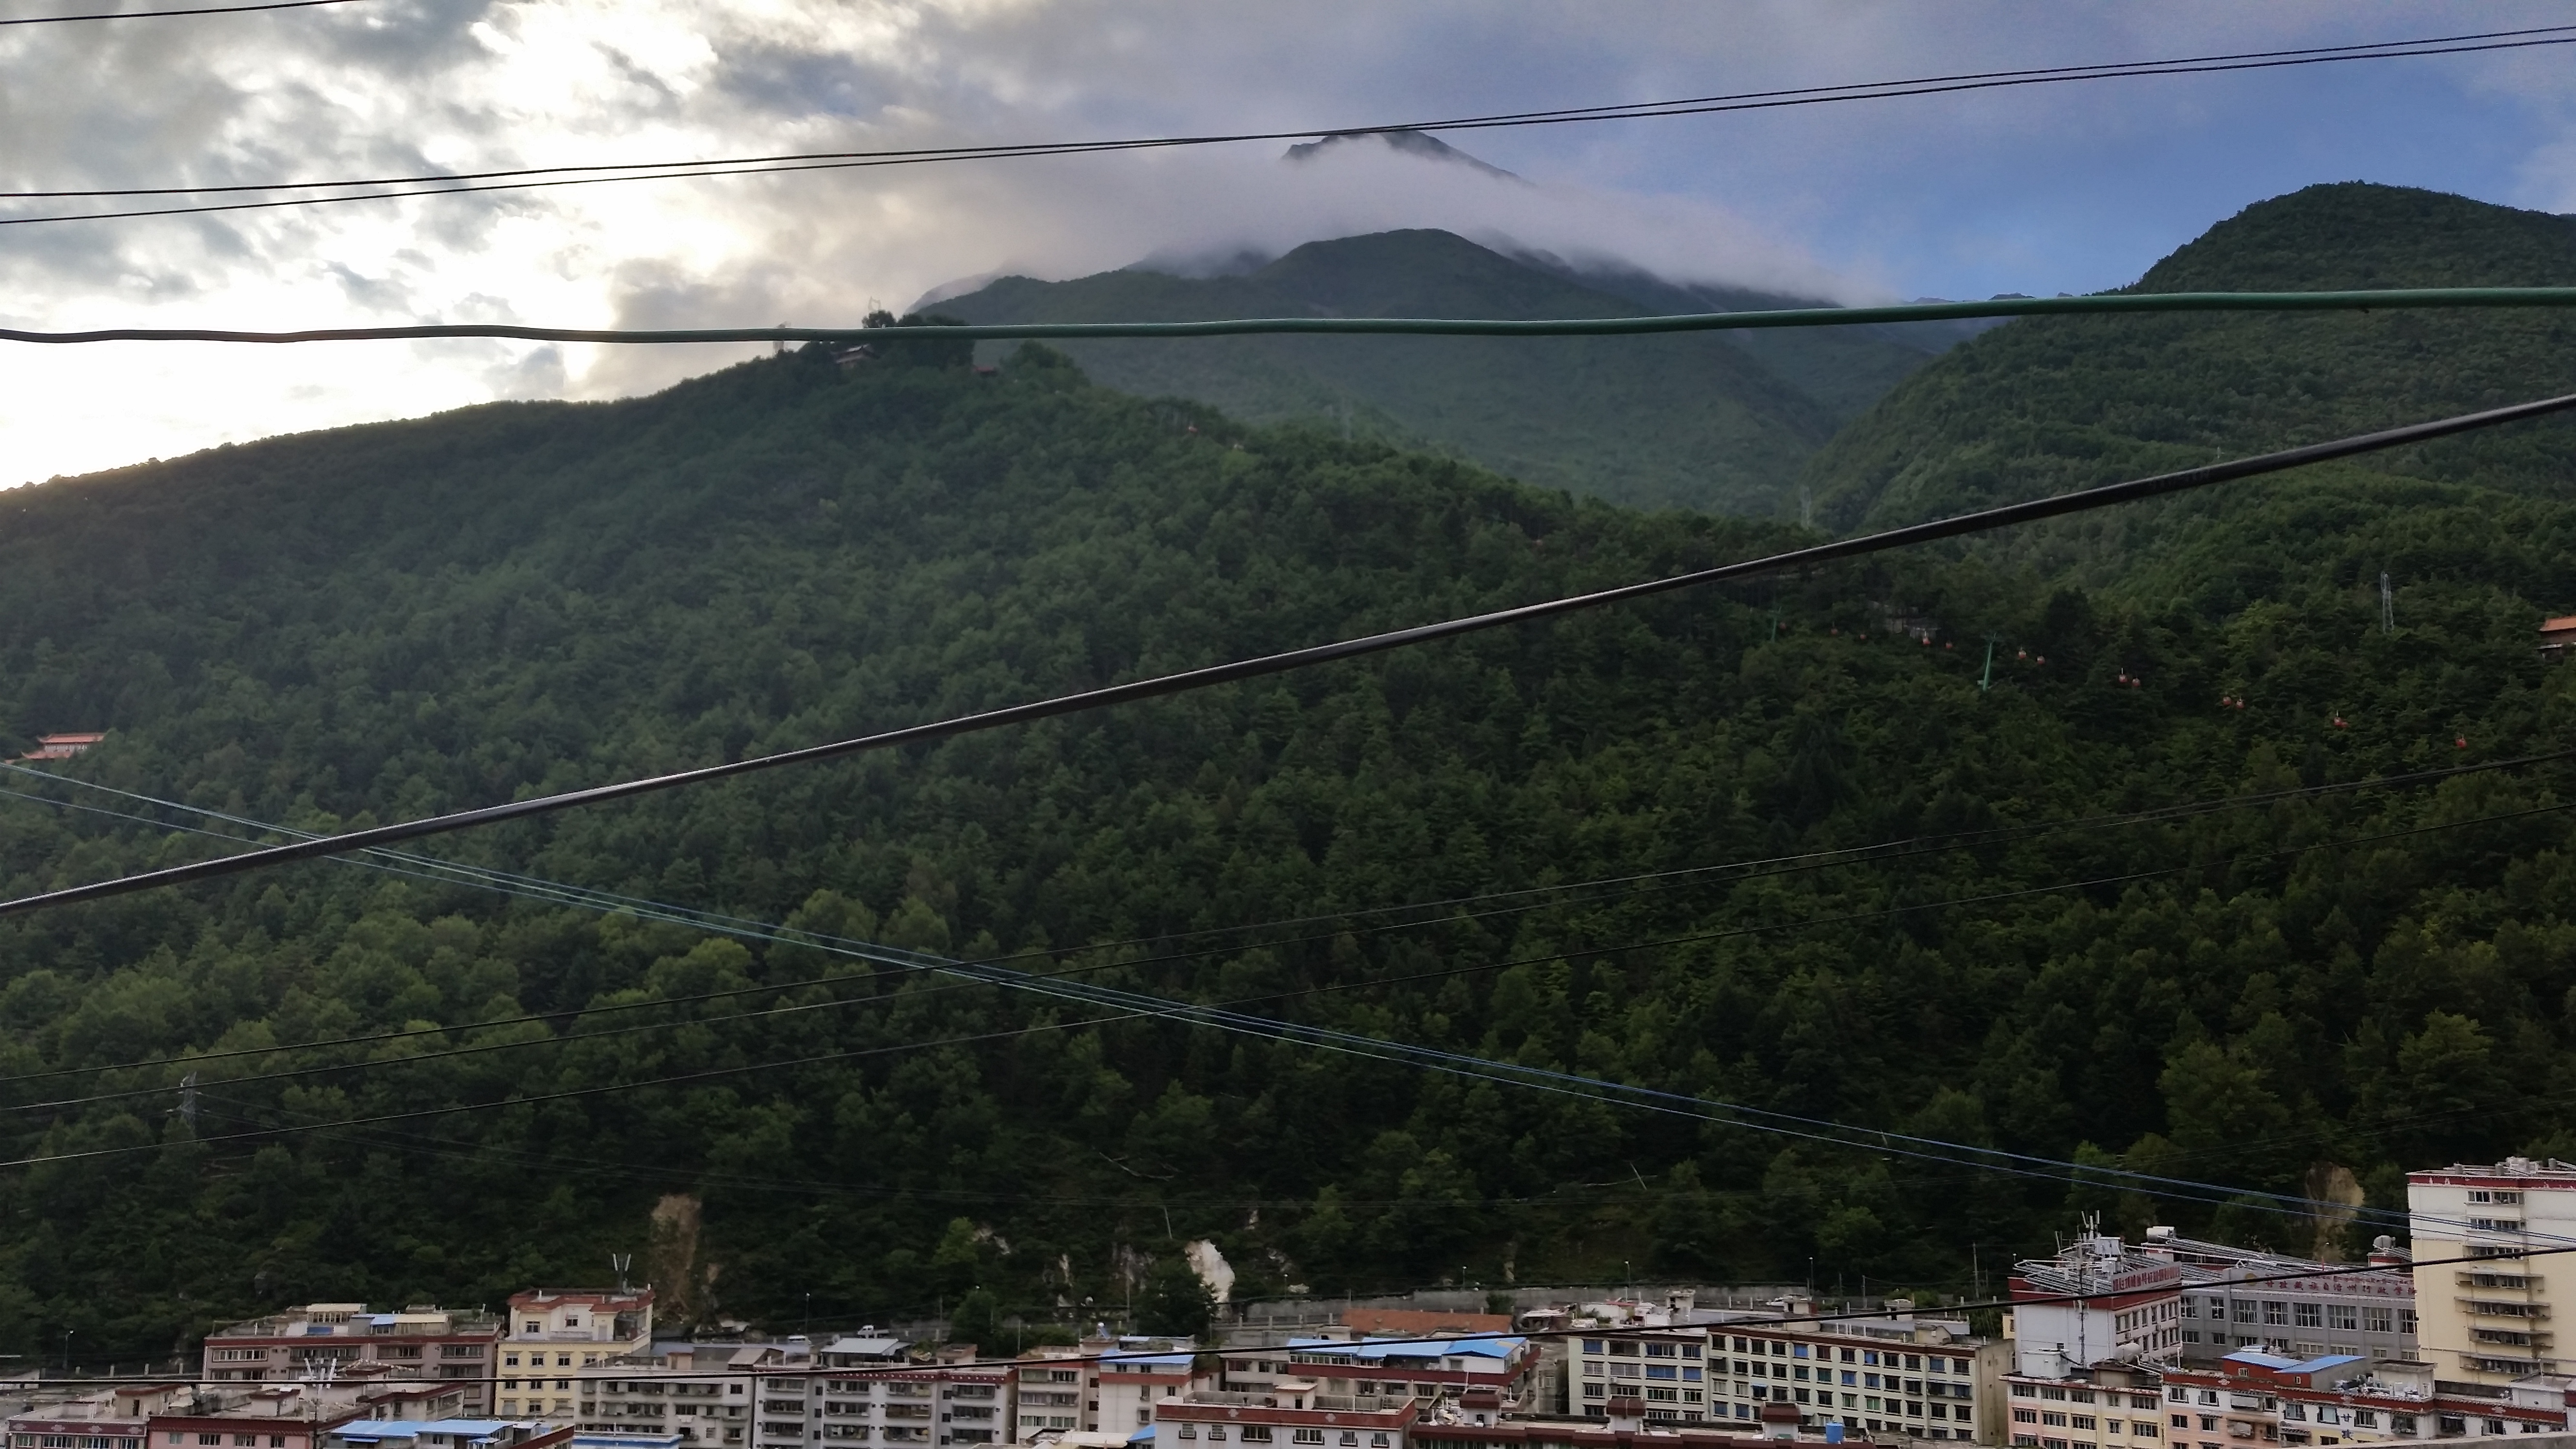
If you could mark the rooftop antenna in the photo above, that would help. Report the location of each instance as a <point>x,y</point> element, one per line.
<point>2387,605</point>
<point>620,1262</point>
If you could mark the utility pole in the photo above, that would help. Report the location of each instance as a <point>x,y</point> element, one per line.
<point>1806,507</point>
<point>1986,681</point>
<point>2387,605</point>
<point>188,1102</point>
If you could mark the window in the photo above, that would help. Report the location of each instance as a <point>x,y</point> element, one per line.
<point>2276,1314</point>
<point>2244,1310</point>
<point>1594,1345</point>
<point>2375,1319</point>
<point>1309,1436</point>
<point>2311,1315</point>
<point>2345,1317</point>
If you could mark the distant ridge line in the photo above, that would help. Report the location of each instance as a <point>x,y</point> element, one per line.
<point>2100,303</point>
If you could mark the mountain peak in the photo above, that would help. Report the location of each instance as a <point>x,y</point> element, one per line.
<point>1408,143</point>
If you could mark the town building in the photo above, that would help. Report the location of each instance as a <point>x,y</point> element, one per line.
<point>1097,1386</point>
<point>1394,1368</point>
<point>449,1434</point>
<point>1918,1376</point>
<point>1221,1420</point>
<point>2488,1322</point>
<point>553,1332</point>
<point>2097,1301</point>
<point>333,1341</point>
<point>262,1420</point>
<point>2235,1298</point>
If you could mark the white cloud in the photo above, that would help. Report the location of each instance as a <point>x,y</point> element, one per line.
<point>394,86</point>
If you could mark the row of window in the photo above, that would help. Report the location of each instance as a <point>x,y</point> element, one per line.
<point>2057,1419</point>
<point>1873,1358</point>
<point>1852,1378</point>
<point>2109,1398</point>
<point>1260,1434</point>
<point>1873,1403</point>
<point>82,1441</point>
<point>2296,1313</point>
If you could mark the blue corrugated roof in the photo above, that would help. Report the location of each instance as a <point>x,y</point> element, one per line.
<point>2260,1359</point>
<point>2325,1361</point>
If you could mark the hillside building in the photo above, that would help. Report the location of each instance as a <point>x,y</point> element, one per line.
<point>62,747</point>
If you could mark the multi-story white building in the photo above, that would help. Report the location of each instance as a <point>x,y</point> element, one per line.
<point>2489,1322</point>
<point>2096,1302</point>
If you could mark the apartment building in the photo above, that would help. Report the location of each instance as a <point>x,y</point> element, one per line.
<point>246,1426</point>
<point>2114,1404</point>
<point>1097,1386</point>
<point>553,1332</point>
<point>2488,1322</point>
<point>1221,1420</point>
<point>2097,1301</point>
<point>455,1434</point>
<point>1395,1368</point>
<point>342,1340</point>
<point>864,1391</point>
<point>2297,1308</point>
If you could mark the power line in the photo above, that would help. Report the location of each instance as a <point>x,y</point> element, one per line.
<point>168,14</point>
<point>448,183</point>
<point>590,897</point>
<point>2111,303</point>
<point>1130,1005</point>
<point>1263,666</point>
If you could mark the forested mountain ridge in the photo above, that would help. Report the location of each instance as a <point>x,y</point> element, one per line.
<point>2043,405</point>
<point>388,621</point>
<point>1715,421</point>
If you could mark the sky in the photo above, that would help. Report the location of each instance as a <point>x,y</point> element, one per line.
<point>2040,190</point>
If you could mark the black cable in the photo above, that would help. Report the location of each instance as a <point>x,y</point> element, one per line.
<point>2082,500</point>
<point>1132,1005</point>
<point>1909,848</point>
<point>167,14</point>
<point>584,175</point>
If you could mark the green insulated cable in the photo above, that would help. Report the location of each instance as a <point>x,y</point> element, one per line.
<point>2116,303</point>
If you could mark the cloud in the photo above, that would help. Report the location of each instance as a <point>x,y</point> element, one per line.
<point>2011,190</point>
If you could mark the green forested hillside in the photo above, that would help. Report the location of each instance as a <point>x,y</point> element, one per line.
<point>2047,404</point>
<point>1714,421</point>
<point>387,621</point>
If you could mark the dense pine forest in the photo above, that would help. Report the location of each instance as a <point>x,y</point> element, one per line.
<point>2156,844</point>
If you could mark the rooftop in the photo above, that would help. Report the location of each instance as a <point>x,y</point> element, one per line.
<point>1382,1349</point>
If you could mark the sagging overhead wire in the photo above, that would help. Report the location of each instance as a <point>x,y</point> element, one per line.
<point>2105,303</point>
<point>1442,912</point>
<point>536,178</point>
<point>171,14</point>
<point>1128,1005</point>
<point>2082,500</point>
